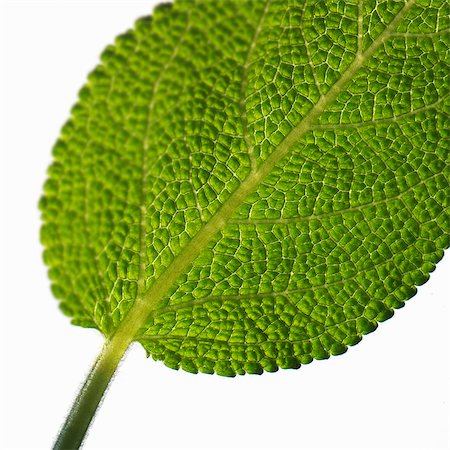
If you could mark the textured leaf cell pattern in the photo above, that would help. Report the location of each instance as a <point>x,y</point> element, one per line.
<point>336,114</point>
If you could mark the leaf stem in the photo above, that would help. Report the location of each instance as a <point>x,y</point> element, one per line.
<point>91,393</point>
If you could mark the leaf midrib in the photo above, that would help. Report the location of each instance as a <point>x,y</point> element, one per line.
<point>144,304</point>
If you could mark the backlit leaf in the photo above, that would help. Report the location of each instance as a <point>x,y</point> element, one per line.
<point>256,183</point>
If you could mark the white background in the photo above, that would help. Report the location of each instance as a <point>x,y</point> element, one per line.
<point>390,391</point>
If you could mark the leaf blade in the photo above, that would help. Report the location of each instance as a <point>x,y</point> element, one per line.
<point>276,259</point>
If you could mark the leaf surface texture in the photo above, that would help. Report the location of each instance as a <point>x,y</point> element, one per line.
<point>279,166</point>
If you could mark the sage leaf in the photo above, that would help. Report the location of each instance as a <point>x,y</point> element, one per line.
<point>250,185</point>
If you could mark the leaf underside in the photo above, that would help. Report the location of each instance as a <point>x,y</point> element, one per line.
<point>336,116</point>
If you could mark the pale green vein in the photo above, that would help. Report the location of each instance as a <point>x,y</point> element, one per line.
<point>360,208</point>
<point>421,35</point>
<point>199,339</point>
<point>360,26</point>
<point>375,122</point>
<point>144,173</point>
<point>261,295</point>
<point>244,83</point>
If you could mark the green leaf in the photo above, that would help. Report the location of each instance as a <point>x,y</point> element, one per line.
<point>248,185</point>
